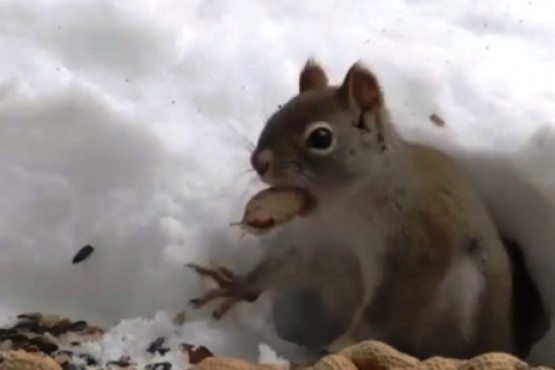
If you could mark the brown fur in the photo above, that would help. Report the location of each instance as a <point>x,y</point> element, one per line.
<point>312,77</point>
<point>430,235</point>
<point>363,86</point>
<point>405,214</point>
<point>437,222</point>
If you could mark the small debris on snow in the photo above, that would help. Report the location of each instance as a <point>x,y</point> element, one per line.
<point>437,120</point>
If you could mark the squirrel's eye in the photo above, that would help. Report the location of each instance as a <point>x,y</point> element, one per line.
<point>319,138</point>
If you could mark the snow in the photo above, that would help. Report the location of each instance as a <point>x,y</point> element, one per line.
<point>127,126</point>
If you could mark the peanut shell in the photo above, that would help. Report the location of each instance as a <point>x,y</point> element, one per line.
<point>273,207</point>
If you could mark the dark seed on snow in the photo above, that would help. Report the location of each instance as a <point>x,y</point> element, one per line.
<point>155,345</point>
<point>437,120</point>
<point>91,361</point>
<point>77,325</point>
<point>17,338</point>
<point>30,326</point>
<point>7,332</point>
<point>163,350</point>
<point>59,329</point>
<point>120,363</point>
<point>69,366</point>
<point>159,366</point>
<point>30,316</point>
<point>83,254</point>
<point>45,346</point>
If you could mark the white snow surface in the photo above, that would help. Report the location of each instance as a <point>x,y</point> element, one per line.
<point>128,124</point>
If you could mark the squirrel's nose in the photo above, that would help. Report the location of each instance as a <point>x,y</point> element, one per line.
<point>261,161</point>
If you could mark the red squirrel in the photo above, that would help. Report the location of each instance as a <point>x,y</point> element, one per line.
<point>401,247</point>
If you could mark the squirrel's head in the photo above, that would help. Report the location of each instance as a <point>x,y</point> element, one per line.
<point>326,135</point>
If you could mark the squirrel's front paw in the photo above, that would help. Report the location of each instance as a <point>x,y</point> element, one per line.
<point>230,286</point>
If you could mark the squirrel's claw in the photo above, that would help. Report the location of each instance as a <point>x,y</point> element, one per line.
<point>224,307</point>
<point>230,286</point>
<point>220,274</point>
<point>208,297</point>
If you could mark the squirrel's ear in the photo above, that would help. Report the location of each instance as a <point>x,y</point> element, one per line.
<point>312,77</point>
<point>361,87</point>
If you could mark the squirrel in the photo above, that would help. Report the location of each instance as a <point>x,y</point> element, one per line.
<point>401,247</point>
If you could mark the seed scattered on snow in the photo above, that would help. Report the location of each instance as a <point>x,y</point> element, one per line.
<point>122,362</point>
<point>83,254</point>
<point>165,365</point>
<point>77,325</point>
<point>155,345</point>
<point>89,360</point>
<point>34,316</point>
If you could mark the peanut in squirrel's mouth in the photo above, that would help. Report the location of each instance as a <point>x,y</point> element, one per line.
<point>276,206</point>
<point>309,199</point>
